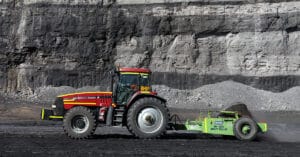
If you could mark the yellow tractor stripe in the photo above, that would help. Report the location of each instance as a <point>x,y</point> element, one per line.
<point>145,92</point>
<point>85,93</point>
<point>72,100</point>
<point>80,103</point>
<point>43,114</point>
<point>56,117</point>
<point>134,73</point>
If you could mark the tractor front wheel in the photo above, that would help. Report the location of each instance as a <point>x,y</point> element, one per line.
<point>147,118</point>
<point>245,129</point>
<point>79,123</point>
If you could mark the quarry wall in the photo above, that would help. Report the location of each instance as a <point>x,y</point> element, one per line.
<point>228,50</point>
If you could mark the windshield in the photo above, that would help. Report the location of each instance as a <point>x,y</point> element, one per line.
<point>129,79</point>
<point>135,79</point>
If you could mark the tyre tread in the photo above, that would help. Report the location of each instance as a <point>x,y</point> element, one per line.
<point>79,109</point>
<point>238,133</point>
<point>135,106</point>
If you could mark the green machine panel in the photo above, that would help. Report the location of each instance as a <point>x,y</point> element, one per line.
<point>220,126</point>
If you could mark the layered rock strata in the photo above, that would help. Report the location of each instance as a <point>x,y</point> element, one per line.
<point>61,44</point>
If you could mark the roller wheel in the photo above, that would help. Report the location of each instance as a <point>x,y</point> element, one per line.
<point>245,129</point>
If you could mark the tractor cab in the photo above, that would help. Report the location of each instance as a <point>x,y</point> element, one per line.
<point>129,81</point>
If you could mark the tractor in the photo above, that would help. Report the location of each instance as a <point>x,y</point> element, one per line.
<point>133,104</point>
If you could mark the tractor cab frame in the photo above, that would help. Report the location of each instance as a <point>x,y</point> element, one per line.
<point>127,81</point>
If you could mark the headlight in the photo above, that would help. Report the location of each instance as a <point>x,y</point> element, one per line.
<point>53,106</point>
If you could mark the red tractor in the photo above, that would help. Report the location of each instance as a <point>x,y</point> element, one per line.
<point>132,103</point>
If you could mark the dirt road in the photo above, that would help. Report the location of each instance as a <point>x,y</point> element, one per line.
<point>47,139</point>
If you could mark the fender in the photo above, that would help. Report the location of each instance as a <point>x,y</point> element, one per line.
<point>140,94</point>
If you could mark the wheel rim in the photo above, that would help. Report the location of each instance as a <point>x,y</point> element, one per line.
<point>246,129</point>
<point>150,120</point>
<point>79,124</point>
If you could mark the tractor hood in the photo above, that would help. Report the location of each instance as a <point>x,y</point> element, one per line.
<point>85,94</point>
<point>91,99</point>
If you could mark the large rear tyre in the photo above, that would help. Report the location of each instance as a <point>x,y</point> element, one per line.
<point>148,118</point>
<point>79,123</point>
<point>245,129</point>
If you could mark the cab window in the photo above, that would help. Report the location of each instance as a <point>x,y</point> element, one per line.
<point>144,80</point>
<point>129,79</point>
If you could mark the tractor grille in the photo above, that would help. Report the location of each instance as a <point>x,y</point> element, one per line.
<point>59,110</point>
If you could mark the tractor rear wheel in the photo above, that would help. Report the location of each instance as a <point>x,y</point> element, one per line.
<point>245,129</point>
<point>79,123</point>
<point>148,118</point>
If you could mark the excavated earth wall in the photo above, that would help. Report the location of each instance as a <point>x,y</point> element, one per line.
<point>203,53</point>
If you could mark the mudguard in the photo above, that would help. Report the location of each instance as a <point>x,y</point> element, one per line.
<point>140,94</point>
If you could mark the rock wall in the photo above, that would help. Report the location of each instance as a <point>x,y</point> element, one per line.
<point>51,44</point>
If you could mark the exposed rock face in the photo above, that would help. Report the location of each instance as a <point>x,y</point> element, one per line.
<point>187,44</point>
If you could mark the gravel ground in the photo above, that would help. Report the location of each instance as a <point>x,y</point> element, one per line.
<point>22,134</point>
<point>49,140</point>
<point>46,138</point>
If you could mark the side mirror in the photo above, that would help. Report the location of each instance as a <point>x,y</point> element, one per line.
<point>112,73</point>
